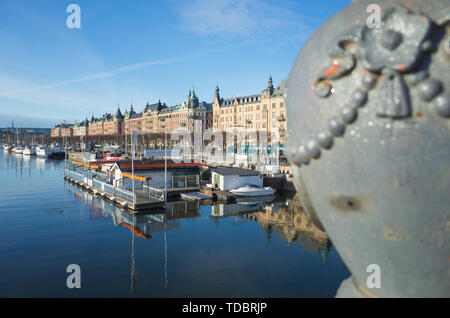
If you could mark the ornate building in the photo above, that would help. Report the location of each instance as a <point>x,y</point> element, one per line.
<point>160,116</point>
<point>261,112</point>
<point>133,121</point>
<point>62,130</point>
<point>107,124</point>
<point>81,129</point>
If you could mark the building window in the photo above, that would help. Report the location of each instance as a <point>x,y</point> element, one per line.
<point>281,104</point>
<point>265,107</point>
<point>274,105</point>
<point>273,114</point>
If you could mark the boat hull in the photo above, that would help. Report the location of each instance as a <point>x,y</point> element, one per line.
<point>256,193</point>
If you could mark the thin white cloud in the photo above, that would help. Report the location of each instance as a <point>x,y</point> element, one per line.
<point>88,78</point>
<point>256,19</point>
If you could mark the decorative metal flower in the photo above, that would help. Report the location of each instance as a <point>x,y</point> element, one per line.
<point>397,45</point>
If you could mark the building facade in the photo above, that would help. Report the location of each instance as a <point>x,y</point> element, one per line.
<point>56,131</point>
<point>159,117</point>
<point>81,129</point>
<point>62,130</point>
<point>107,124</point>
<point>260,112</point>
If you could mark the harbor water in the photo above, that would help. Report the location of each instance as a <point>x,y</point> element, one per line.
<point>192,249</point>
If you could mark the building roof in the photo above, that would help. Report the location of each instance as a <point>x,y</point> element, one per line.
<point>242,100</point>
<point>230,171</point>
<point>149,165</point>
<point>154,107</point>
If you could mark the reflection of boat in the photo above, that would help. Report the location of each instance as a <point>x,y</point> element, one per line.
<point>254,200</point>
<point>29,151</point>
<point>252,190</point>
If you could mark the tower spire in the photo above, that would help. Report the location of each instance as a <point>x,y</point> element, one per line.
<point>270,84</point>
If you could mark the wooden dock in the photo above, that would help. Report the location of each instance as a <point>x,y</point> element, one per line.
<point>220,195</point>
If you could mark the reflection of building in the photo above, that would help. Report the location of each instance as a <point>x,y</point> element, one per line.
<point>224,210</point>
<point>292,224</point>
<point>145,224</point>
<point>183,210</point>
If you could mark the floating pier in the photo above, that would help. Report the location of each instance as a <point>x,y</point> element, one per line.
<point>142,201</point>
<point>220,195</point>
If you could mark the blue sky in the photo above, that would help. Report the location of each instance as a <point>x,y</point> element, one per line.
<point>143,50</point>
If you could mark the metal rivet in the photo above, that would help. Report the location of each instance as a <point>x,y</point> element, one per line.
<point>369,80</point>
<point>348,114</point>
<point>336,127</point>
<point>359,97</point>
<point>429,89</point>
<point>302,155</point>
<point>442,105</point>
<point>313,149</point>
<point>325,140</point>
<point>323,89</point>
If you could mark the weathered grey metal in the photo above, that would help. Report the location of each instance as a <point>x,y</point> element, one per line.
<point>369,140</point>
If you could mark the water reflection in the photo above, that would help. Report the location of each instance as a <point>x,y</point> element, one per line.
<point>290,223</point>
<point>189,249</point>
<point>284,218</point>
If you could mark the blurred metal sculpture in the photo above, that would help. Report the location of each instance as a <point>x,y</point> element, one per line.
<point>371,143</point>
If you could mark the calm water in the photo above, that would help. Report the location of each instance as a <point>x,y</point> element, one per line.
<point>240,250</point>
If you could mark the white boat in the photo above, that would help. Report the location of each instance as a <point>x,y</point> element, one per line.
<point>29,151</point>
<point>6,147</point>
<point>252,190</point>
<point>18,150</point>
<point>43,152</point>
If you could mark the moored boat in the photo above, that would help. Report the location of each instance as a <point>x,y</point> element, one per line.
<point>253,190</point>
<point>18,150</point>
<point>29,151</point>
<point>6,147</point>
<point>43,152</point>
